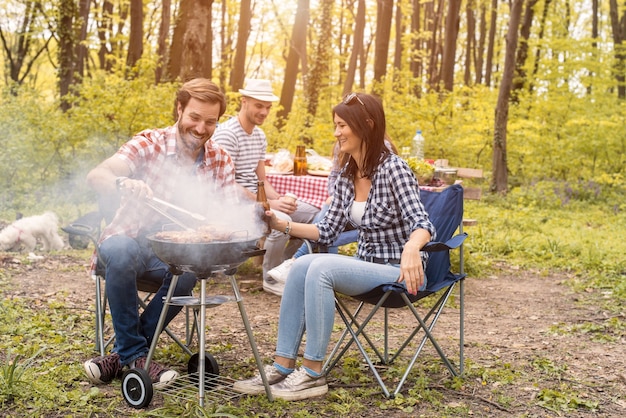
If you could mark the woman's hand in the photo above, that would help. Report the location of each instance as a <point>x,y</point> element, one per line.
<point>273,220</point>
<point>284,205</point>
<point>411,269</point>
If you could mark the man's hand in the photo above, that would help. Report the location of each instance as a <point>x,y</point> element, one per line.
<point>136,189</point>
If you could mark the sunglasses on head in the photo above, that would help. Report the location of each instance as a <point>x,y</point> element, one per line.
<point>351,98</point>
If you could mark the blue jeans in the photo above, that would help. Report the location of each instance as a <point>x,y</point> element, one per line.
<point>308,301</point>
<point>125,260</point>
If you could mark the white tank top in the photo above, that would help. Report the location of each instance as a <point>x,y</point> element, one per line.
<point>356,212</point>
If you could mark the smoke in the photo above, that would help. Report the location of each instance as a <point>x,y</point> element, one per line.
<point>227,207</point>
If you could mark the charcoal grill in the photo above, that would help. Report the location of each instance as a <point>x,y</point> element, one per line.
<point>205,260</point>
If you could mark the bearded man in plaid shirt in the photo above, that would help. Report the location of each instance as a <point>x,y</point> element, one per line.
<point>168,163</point>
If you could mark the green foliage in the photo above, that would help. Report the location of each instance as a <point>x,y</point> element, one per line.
<point>48,152</point>
<point>548,367</point>
<point>14,380</point>
<point>564,401</point>
<point>608,330</point>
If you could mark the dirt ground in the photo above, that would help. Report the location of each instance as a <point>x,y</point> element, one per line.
<point>510,323</point>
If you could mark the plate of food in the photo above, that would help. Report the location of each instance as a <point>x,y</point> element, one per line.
<point>320,173</point>
<point>272,170</point>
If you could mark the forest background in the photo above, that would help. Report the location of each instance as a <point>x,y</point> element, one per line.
<point>531,91</point>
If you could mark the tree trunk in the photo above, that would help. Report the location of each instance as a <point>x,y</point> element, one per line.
<point>105,32</point>
<point>120,46</point>
<point>72,49</point>
<point>297,52</point>
<point>164,26</point>
<point>499,182</point>
<point>135,41</point>
<point>519,78</point>
<point>542,27</point>
<point>470,45</point>
<point>317,77</point>
<point>435,47</point>
<point>81,49</point>
<point>355,54</point>
<point>384,15</point>
<point>398,50</point>
<point>238,70</point>
<point>618,25</point>
<point>449,48</point>
<point>197,47</point>
<point>225,45</point>
<point>174,62</point>
<point>594,37</point>
<point>480,51</point>
<point>417,63</point>
<point>492,42</point>
<point>67,12</point>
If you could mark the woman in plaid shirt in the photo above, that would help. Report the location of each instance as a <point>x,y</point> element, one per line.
<point>378,194</point>
<point>166,163</point>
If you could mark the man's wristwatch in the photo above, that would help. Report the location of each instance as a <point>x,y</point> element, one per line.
<point>119,183</point>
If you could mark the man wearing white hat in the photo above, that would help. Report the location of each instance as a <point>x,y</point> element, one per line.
<point>246,143</point>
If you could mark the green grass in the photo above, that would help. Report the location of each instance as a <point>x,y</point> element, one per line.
<point>41,342</point>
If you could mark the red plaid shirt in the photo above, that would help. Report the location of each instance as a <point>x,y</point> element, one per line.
<point>151,156</point>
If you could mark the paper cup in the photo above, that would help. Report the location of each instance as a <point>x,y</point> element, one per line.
<point>291,197</point>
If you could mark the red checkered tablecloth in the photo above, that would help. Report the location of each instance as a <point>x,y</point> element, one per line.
<point>310,189</point>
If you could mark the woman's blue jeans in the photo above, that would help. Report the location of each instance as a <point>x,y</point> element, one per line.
<point>308,301</point>
<point>125,260</point>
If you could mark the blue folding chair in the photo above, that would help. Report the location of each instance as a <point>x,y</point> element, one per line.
<point>445,209</point>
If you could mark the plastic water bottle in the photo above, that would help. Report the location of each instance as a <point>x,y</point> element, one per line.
<point>418,145</point>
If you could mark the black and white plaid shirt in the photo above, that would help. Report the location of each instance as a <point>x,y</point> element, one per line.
<point>392,212</point>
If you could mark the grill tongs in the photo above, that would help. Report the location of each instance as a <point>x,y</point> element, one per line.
<point>156,204</point>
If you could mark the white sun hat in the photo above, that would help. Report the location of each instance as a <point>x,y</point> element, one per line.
<point>259,89</point>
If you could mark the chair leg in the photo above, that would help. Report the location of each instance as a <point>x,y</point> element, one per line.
<point>426,323</point>
<point>355,339</point>
<point>350,324</point>
<point>100,312</point>
<point>461,326</point>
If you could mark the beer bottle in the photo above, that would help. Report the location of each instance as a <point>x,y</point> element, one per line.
<point>299,161</point>
<point>263,205</point>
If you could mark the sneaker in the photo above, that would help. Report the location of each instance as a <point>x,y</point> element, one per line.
<point>299,385</point>
<point>254,386</point>
<point>273,286</point>
<point>160,375</point>
<point>103,369</point>
<point>280,272</point>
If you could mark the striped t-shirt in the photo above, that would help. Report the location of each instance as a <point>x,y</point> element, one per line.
<point>246,150</point>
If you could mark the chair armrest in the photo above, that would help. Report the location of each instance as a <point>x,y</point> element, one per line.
<point>80,229</point>
<point>452,243</point>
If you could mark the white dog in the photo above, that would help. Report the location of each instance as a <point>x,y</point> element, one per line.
<point>25,232</point>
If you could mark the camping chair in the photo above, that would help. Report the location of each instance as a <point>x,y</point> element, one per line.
<point>87,229</point>
<point>446,212</point>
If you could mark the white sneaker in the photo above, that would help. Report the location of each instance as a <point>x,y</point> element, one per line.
<point>254,386</point>
<point>299,385</point>
<point>273,286</point>
<point>280,272</point>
